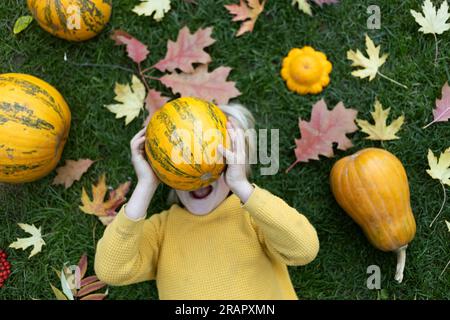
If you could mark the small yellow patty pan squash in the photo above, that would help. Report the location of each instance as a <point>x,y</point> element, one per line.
<point>306,70</point>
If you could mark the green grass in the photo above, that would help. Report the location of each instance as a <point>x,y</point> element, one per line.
<point>339,272</point>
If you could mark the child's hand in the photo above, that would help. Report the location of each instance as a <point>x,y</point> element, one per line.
<point>143,170</point>
<point>235,176</point>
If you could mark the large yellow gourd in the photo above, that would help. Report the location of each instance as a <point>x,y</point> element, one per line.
<point>181,143</point>
<point>74,20</point>
<point>372,187</point>
<point>34,126</point>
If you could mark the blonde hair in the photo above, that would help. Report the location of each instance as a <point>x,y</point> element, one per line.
<point>246,122</point>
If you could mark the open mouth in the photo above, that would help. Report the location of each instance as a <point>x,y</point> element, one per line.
<point>201,193</point>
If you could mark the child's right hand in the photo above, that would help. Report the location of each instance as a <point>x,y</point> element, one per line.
<point>141,166</point>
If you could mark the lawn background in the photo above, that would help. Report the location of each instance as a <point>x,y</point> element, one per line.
<point>339,272</point>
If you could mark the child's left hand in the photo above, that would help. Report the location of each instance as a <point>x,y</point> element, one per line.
<point>235,175</point>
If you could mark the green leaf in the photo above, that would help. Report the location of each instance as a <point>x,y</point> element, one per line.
<point>58,294</point>
<point>22,23</point>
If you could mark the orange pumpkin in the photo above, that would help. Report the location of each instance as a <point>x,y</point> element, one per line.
<point>34,126</point>
<point>181,143</point>
<point>372,187</point>
<point>74,20</point>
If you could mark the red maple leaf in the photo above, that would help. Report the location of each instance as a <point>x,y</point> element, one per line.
<point>202,84</point>
<point>188,49</point>
<point>325,128</point>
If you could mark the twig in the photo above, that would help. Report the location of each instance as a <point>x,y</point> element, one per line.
<point>111,66</point>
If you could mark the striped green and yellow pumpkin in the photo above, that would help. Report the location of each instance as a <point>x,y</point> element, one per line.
<point>74,20</point>
<point>34,126</point>
<point>181,143</point>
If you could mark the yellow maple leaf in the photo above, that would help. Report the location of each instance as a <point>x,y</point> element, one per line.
<point>104,210</point>
<point>157,8</point>
<point>440,168</point>
<point>369,66</point>
<point>381,131</point>
<point>131,98</point>
<point>35,240</point>
<point>433,21</point>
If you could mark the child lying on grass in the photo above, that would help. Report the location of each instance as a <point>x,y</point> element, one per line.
<point>229,240</point>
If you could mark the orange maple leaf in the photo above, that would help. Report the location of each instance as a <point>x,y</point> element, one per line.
<point>247,13</point>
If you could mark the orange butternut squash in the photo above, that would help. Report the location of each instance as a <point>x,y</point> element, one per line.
<point>372,187</point>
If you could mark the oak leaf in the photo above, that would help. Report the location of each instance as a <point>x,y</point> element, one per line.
<point>202,84</point>
<point>187,50</point>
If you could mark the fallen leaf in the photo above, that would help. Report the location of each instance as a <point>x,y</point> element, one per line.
<point>58,293</point>
<point>202,84</point>
<point>325,128</point>
<point>131,98</point>
<point>71,172</point>
<point>432,20</point>
<point>153,102</point>
<point>188,49</point>
<point>448,225</point>
<point>246,13</point>
<point>137,51</point>
<point>303,5</point>
<point>97,206</point>
<point>22,23</point>
<point>149,7</point>
<point>440,168</point>
<point>369,65</point>
<point>442,111</point>
<point>380,131</point>
<point>76,286</point>
<point>35,240</point>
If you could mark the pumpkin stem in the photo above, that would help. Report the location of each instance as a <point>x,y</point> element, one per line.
<point>401,260</point>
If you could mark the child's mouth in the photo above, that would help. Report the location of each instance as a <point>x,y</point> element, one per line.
<point>201,193</point>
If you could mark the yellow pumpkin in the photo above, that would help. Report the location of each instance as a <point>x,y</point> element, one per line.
<point>181,143</point>
<point>34,126</point>
<point>306,70</point>
<point>74,20</point>
<point>372,187</point>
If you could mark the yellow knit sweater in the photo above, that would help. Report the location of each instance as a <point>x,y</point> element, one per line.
<point>235,252</point>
